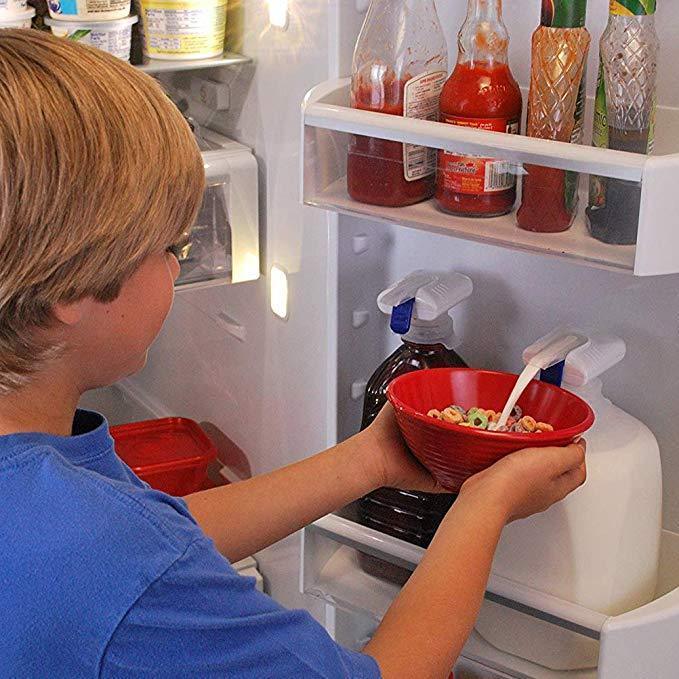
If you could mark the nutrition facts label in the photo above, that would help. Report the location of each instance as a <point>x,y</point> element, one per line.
<point>421,100</point>
<point>117,43</point>
<point>198,29</point>
<point>179,22</point>
<point>100,6</point>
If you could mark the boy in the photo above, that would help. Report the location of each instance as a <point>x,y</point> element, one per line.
<point>101,576</point>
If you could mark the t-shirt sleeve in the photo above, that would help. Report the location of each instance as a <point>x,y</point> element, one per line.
<point>202,619</point>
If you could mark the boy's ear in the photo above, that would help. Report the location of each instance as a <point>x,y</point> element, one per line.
<point>71,313</point>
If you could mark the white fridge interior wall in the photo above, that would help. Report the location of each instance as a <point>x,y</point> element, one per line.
<point>519,297</point>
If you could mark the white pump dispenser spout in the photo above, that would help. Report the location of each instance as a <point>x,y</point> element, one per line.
<point>553,348</point>
<point>420,303</point>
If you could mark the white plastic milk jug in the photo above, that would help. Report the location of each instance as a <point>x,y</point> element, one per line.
<point>599,548</point>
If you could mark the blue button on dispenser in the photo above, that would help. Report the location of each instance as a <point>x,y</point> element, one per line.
<point>553,375</point>
<point>401,316</point>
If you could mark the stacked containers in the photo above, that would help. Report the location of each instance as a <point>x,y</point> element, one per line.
<point>104,24</point>
<point>15,14</point>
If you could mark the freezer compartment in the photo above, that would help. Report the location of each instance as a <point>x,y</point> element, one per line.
<point>632,645</point>
<point>329,124</point>
<point>222,246</point>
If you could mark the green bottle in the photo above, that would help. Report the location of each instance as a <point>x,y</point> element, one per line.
<point>564,13</point>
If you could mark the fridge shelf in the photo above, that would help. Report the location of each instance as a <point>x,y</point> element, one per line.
<point>634,644</point>
<point>576,243</point>
<point>168,66</point>
<point>329,122</point>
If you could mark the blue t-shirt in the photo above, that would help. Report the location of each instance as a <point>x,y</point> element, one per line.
<point>102,577</point>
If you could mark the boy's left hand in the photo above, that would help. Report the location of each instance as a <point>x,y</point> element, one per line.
<point>391,463</point>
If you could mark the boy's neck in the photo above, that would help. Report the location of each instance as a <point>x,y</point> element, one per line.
<point>47,404</point>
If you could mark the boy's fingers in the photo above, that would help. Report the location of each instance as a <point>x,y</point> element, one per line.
<point>568,458</point>
<point>571,480</point>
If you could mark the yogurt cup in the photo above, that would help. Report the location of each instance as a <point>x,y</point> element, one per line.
<point>114,37</point>
<point>88,10</point>
<point>183,29</point>
<point>19,20</point>
<point>10,8</point>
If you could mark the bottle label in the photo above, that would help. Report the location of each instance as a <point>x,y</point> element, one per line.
<point>421,97</point>
<point>476,175</point>
<point>597,185</point>
<point>564,13</point>
<point>632,8</point>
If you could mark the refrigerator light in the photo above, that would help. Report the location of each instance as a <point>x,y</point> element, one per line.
<point>279,291</point>
<point>245,266</point>
<point>278,13</point>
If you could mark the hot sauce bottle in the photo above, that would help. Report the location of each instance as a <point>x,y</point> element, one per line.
<point>480,93</point>
<point>399,67</point>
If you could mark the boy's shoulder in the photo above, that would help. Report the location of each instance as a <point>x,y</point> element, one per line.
<point>88,503</point>
<point>79,548</point>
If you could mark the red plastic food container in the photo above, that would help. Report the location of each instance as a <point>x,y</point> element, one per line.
<point>452,454</point>
<point>170,454</point>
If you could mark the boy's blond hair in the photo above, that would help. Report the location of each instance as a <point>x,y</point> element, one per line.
<point>98,169</point>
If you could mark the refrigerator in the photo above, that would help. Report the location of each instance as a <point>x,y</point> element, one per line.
<point>273,356</point>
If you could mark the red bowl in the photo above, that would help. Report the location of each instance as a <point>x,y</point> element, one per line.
<point>452,454</point>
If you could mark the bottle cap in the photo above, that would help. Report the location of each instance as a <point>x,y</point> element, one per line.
<point>588,362</point>
<point>553,348</point>
<point>419,305</point>
<point>583,358</point>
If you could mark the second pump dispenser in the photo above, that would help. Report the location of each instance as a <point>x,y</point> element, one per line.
<point>419,307</point>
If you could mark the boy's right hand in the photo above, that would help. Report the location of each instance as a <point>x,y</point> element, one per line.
<point>530,481</point>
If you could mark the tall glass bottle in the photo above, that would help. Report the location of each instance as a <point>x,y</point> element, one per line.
<point>400,65</point>
<point>480,93</point>
<point>556,107</point>
<point>624,117</point>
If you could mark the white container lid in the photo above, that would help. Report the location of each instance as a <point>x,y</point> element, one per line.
<point>112,25</point>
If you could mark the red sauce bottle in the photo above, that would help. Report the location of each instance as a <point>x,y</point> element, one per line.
<point>400,65</point>
<point>480,93</point>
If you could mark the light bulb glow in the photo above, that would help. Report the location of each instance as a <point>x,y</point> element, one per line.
<point>279,291</point>
<point>278,13</point>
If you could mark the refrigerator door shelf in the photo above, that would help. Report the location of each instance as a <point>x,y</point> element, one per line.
<point>223,244</point>
<point>634,644</point>
<point>329,124</point>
